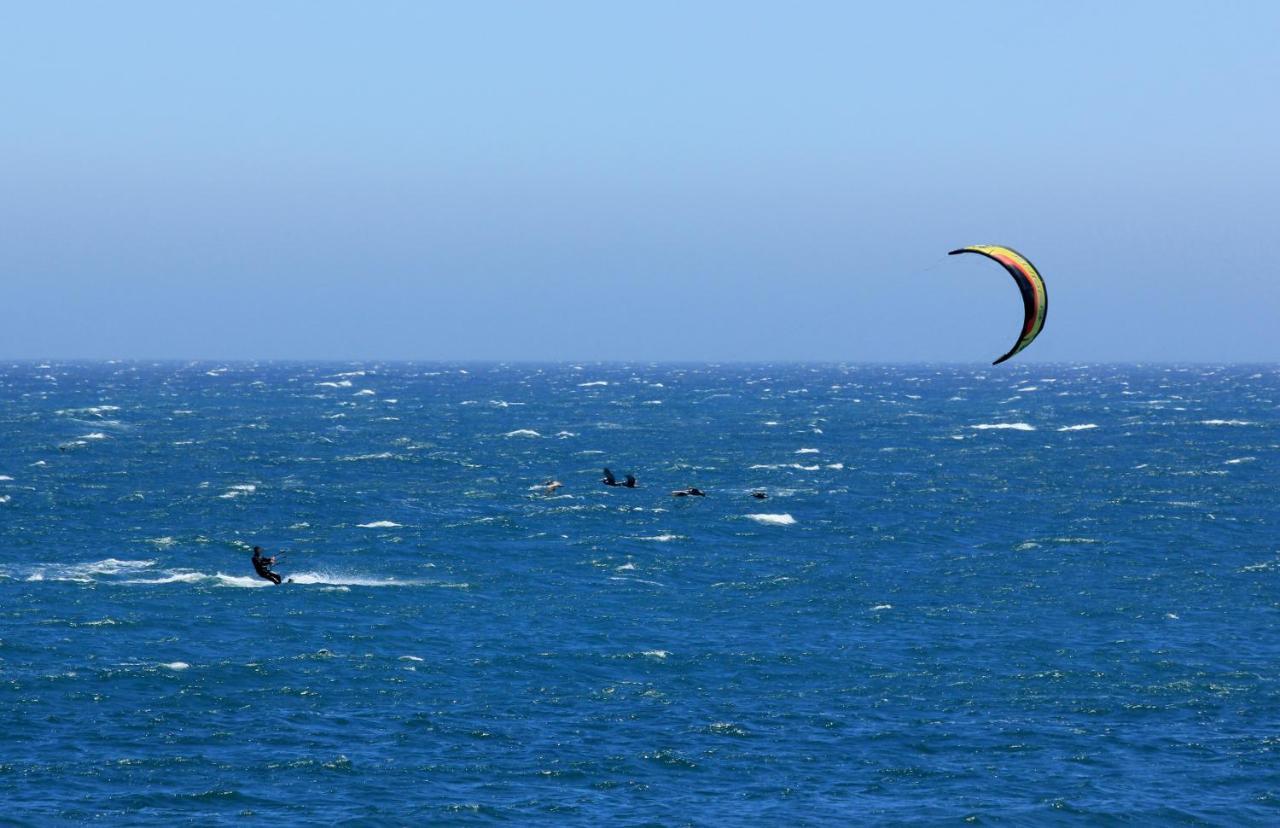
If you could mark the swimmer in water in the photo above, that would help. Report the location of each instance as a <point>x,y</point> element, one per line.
<point>759,495</point>
<point>692,491</point>
<point>262,565</point>
<point>550,486</point>
<point>610,480</point>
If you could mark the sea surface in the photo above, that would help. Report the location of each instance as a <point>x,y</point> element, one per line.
<point>1018,594</point>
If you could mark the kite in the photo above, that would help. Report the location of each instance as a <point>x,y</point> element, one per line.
<point>1035,302</point>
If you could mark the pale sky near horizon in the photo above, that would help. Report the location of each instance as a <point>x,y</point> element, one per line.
<point>658,181</point>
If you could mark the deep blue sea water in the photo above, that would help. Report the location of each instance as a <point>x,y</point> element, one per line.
<point>1024,593</point>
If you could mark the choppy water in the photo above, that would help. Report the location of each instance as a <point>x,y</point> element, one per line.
<point>1017,593</point>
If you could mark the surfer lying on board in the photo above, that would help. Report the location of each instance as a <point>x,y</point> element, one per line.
<point>262,565</point>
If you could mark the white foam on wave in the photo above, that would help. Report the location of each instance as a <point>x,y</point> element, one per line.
<point>881,607</point>
<point>176,578</point>
<point>836,466</point>
<point>340,384</point>
<point>773,520</point>
<point>1238,460</point>
<point>380,524</point>
<point>95,411</point>
<point>1226,422</point>
<point>94,435</point>
<point>1081,427</point>
<point>1008,426</point>
<point>807,451</point>
<point>4,477</point>
<point>339,579</point>
<point>522,432</point>
<point>592,384</point>
<point>354,458</point>
<point>663,538</point>
<point>364,392</point>
<point>238,491</point>
<point>411,658</point>
<point>656,653</point>
<point>176,665</point>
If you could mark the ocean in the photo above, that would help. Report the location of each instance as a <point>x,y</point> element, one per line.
<point>1017,594</point>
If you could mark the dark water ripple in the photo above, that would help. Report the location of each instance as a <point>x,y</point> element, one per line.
<point>1030,594</point>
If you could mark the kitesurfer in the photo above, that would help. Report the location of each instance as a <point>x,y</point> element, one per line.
<point>691,491</point>
<point>262,565</point>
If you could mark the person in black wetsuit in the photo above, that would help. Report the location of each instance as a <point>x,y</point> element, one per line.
<point>610,480</point>
<point>262,565</point>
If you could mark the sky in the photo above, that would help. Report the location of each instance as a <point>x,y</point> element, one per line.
<point>650,181</point>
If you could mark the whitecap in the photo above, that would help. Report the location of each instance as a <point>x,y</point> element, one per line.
<point>592,384</point>
<point>176,665</point>
<point>663,538</point>
<point>1226,422</point>
<point>1012,426</point>
<point>365,392</point>
<point>773,520</point>
<point>411,658</point>
<point>4,477</point>
<point>380,524</point>
<point>1240,460</point>
<point>656,653</point>
<point>340,384</point>
<point>96,435</point>
<point>522,432</point>
<point>1081,427</point>
<point>879,607</point>
<point>807,451</point>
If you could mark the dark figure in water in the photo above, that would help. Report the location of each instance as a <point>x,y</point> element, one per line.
<point>692,491</point>
<point>610,480</point>
<point>759,495</point>
<point>262,565</point>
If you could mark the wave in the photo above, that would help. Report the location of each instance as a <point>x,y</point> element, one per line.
<point>346,383</point>
<point>1226,422</point>
<point>1012,426</point>
<point>1081,427</point>
<point>591,384</point>
<point>773,520</point>
<point>1239,460</point>
<point>807,451</point>
<point>95,411</point>
<point>322,578</point>
<point>379,524</point>
<point>522,432</point>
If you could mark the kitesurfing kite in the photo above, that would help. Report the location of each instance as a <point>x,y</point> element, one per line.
<point>1035,302</point>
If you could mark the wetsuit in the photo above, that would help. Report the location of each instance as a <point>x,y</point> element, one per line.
<point>262,566</point>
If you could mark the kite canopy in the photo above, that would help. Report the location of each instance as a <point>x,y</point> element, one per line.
<point>1035,302</point>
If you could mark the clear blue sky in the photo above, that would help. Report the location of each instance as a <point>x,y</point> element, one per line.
<point>698,181</point>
